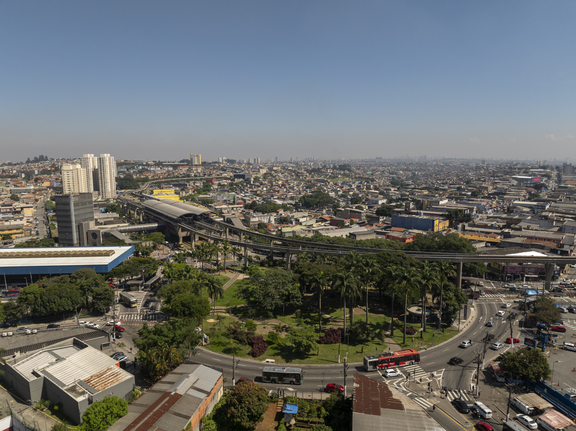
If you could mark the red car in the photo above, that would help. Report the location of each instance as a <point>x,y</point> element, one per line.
<point>483,426</point>
<point>558,328</point>
<point>119,328</point>
<point>509,340</point>
<point>333,387</point>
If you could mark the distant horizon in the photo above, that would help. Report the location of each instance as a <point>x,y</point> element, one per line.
<point>321,78</point>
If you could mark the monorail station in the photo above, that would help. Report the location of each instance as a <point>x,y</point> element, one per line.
<point>26,265</point>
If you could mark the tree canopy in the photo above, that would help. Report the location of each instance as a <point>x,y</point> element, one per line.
<point>243,407</point>
<point>315,200</point>
<point>546,312</point>
<point>102,414</point>
<point>272,289</point>
<point>527,364</point>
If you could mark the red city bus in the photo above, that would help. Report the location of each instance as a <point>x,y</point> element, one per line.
<point>14,293</point>
<point>391,359</point>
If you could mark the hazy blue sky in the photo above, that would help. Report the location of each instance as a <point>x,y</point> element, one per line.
<point>287,78</point>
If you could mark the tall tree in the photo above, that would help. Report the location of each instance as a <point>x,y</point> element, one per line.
<point>214,289</point>
<point>347,284</point>
<point>428,281</point>
<point>371,269</point>
<point>407,280</point>
<point>226,248</point>
<point>320,282</point>
<point>445,270</point>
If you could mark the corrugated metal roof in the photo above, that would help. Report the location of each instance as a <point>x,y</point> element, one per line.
<point>80,366</point>
<point>35,362</point>
<point>106,378</point>
<point>377,407</point>
<point>174,209</point>
<point>556,419</point>
<point>63,256</point>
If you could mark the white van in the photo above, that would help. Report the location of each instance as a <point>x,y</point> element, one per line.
<point>483,411</point>
<point>524,408</point>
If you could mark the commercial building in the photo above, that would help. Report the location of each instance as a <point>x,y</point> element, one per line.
<point>432,224</point>
<point>70,374</point>
<point>177,402</point>
<point>71,211</point>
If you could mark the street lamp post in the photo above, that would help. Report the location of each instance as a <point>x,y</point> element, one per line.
<point>552,377</point>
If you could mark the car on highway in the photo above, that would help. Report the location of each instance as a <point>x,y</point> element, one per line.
<point>509,340</point>
<point>558,328</point>
<point>490,323</point>
<point>118,328</point>
<point>392,372</point>
<point>489,337</point>
<point>455,360</point>
<point>507,305</point>
<point>510,285</point>
<point>527,421</point>
<point>334,387</point>
<point>113,323</point>
<point>496,346</point>
<point>82,322</point>
<point>461,406</point>
<point>52,326</point>
<point>483,426</point>
<point>465,344</point>
<point>92,325</point>
<point>500,313</point>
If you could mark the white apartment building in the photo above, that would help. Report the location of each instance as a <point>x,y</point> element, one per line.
<point>196,159</point>
<point>74,179</point>
<point>90,163</point>
<point>106,177</point>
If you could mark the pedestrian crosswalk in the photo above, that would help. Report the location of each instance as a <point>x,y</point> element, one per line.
<point>459,395</point>
<point>128,317</point>
<point>411,375</point>
<point>422,402</point>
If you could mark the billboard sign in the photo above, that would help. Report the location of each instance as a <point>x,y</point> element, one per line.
<point>530,342</point>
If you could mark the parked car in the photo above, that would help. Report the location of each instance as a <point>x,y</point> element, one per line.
<point>465,344</point>
<point>510,285</point>
<point>541,326</point>
<point>334,387</point>
<point>455,360</point>
<point>23,330</point>
<point>571,393</point>
<point>496,346</point>
<point>52,326</point>
<point>509,340</point>
<point>113,355</point>
<point>118,335</point>
<point>243,380</point>
<point>483,426</point>
<point>461,406</point>
<point>392,372</point>
<point>120,358</point>
<point>558,328</point>
<point>527,421</point>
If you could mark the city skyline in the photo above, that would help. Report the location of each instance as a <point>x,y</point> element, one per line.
<point>324,80</point>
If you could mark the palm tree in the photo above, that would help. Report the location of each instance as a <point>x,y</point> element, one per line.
<point>428,281</point>
<point>225,247</point>
<point>237,252</point>
<point>371,268</point>
<point>407,280</point>
<point>347,283</point>
<point>445,270</point>
<point>319,281</point>
<point>391,274</point>
<point>214,290</point>
<point>179,257</point>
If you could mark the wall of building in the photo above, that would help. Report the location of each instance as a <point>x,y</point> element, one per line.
<point>207,405</point>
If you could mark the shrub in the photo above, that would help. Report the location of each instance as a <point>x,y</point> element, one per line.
<point>273,338</point>
<point>410,330</point>
<point>331,336</point>
<point>259,347</point>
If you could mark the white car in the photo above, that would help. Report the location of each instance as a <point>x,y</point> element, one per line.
<point>82,322</point>
<point>507,305</point>
<point>496,346</point>
<point>113,323</point>
<point>466,343</point>
<point>527,421</point>
<point>92,325</point>
<point>393,372</point>
<point>500,313</point>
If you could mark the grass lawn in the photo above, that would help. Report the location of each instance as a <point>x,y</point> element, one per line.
<point>230,297</point>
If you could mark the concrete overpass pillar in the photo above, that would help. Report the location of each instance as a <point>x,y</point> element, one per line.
<point>226,233</point>
<point>459,266</point>
<point>549,274</point>
<point>288,260</point>
<point>245,256</point>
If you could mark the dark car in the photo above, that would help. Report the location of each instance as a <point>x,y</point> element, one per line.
<point>455,360</point>
<point>461,406</point>
<point>52,326</point>
<point>334,387</point>
<point>541,326</point>
<point>118,335</point>
<point>146,303</point>
<point>489,337</point>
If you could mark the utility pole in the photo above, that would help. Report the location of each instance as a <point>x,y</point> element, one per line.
<point>511,320</point>
<point>509,398</point>
<point>345,368</point>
